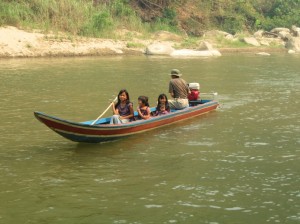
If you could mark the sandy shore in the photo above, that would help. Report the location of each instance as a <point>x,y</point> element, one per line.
<point>19,43</point>
<point>15,42</point>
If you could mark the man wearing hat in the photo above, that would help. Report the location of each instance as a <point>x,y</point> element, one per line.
<point>179,90</point>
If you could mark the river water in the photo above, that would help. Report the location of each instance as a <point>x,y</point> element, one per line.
<point>239,164</point>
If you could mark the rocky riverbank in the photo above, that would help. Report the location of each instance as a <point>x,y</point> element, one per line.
<point>19,43</point>
<point>15,42</point>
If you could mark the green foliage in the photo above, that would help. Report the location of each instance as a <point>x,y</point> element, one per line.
<point>160,24</point>
<point>85,18</point>
<point>135,45</point>
<point>121,9</point>
<point>102,20</point>
<point>12,13</point>
<point>223,42</point>
<point>168,21</point>
<point>189,43</point>
<point>232,24</point>
<point>124,15</point>
<point>280,13</point>
<point>169,16</point>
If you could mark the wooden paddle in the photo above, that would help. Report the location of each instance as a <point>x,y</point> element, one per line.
<point>104,111</point>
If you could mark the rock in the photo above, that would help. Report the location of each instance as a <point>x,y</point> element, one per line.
<point>193,53</point>
<point>264,42</point>
<point>270,35</point>
<point>284,35</point>
<point>118,51</point>
<point>279,29</point>
<point>291,52</point>
<point>166,36</point>
<point>263,54</point>
<point>204,45</point>
<point>159,49</point>
<point>251,41</point>
<point>277,42</point>
<point>216,33</point>
<point>229,37</point>
<point>296,31</point>
<point>216,53</point>
<point>258,34</point>
<point>293,44</point>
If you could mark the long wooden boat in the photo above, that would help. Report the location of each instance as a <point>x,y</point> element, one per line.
<point>102,131</point>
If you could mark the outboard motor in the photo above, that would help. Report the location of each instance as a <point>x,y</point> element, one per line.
<point>195,93</point>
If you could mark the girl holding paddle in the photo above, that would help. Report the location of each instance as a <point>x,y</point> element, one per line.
<point>123,110</point>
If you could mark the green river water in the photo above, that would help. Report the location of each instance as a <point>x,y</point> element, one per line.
<point>239,164</point>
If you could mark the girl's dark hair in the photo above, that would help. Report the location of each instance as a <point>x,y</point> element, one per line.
<point>161,96</point>
<point>127,95</point>
<point>144,100</point>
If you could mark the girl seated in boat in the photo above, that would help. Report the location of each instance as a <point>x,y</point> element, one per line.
<point>162,100</point>
<point>123,110</point>
<point>143,108</point>
<point>162,110</point>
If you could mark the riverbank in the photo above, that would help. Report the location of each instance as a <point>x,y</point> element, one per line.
<point>16,42</point>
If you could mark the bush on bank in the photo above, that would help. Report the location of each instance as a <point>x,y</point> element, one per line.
<point>100,18</point>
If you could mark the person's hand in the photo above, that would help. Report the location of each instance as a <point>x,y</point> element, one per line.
<point>121,118</point>
<point>115,100</point>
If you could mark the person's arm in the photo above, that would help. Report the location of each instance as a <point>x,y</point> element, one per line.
<point>187,88</point>
<point>139,111</point>
<point>148,114</point>
<point>115,110</point>
<point>144,116</point>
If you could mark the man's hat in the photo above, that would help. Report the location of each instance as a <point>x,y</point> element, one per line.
<point>176,72</point>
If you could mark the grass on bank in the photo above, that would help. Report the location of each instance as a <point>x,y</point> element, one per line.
<point>217,42</point>
<point>100,18</point>
<point>83,18</point>
<point>77,17</point>
<point>135,45</point>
